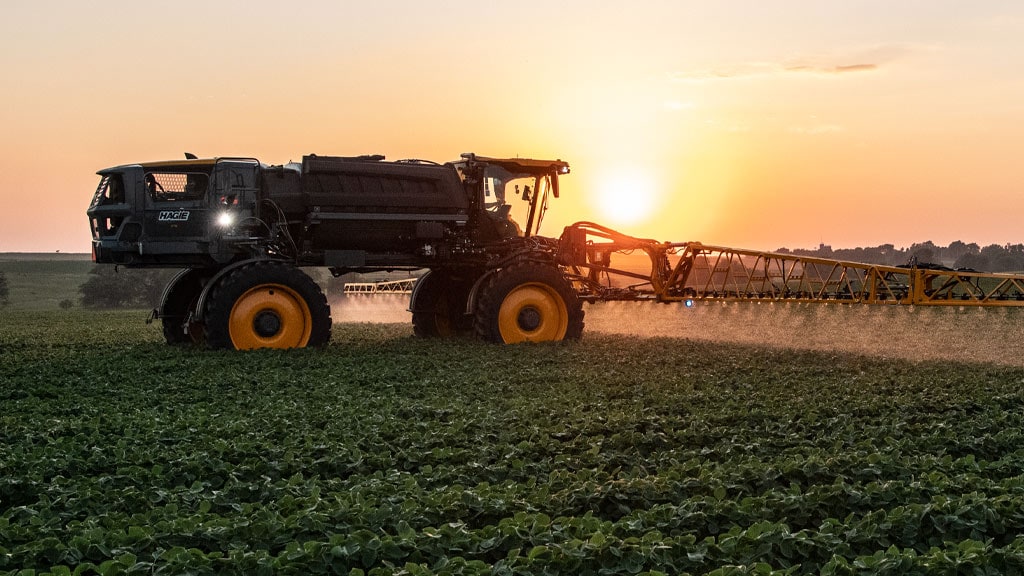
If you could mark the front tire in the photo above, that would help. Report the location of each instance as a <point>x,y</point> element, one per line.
<point>267,304</point>
<point>529,302</point>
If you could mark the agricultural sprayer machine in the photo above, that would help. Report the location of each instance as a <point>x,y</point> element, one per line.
<point>242,231</point>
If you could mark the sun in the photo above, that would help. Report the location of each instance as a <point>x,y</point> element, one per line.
<point>626,197</point>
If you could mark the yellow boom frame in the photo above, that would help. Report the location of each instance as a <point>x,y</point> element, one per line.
<point>703,272</point>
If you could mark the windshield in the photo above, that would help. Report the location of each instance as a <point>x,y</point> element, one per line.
<point>519,198</point>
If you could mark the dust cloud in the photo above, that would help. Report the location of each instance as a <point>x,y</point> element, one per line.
<point>965,334</point>
<point>375,308</point>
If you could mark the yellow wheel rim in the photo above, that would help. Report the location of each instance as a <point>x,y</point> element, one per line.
<point>270,316</point>
<point>533,312</point>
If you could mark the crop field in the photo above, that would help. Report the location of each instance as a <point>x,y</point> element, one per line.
<point>385,454</point>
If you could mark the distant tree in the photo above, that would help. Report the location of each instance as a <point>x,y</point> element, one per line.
<point>926,245</point>
<point>994,258</point>
<point>1007,258</point>
<point>5,292</point>
<point>110,287</point>
<point>972,261</point>
<point>926,252</point>
<point>151,286</point>
<point>999,260</point>
<point>991,250</point>
<point>890,255</point>
<point>958,249</point>
<point>105,289</point>
<point>924,255</point>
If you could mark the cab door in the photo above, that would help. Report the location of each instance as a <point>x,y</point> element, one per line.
<point>177,204</point>
<point>235,188</point>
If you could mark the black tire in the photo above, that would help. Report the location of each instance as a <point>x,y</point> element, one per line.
<point>528,302</point>
<point>179,306</point>
<point>267,304</point>
<point>439,310</point>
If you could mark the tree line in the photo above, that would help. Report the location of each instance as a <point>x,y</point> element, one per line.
<point>957,255</point>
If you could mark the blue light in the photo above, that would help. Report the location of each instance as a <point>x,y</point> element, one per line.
<point>688,302</point>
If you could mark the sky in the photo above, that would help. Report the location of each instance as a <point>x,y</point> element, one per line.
<point>746,124</point>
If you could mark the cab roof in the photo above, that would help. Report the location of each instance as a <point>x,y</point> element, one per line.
<point>206,163</point>
<point>527,165</point>
<point>520,165</point>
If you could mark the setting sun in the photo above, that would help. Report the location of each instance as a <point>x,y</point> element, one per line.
<point>626,197</point>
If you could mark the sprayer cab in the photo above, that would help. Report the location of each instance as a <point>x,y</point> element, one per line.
<point>513,192</point>
<point>174,213</point>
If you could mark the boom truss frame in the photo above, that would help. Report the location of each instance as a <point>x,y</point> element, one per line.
<point>403,286</point>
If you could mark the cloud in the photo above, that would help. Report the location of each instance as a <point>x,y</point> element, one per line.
<point>832,69</point>
<point>857,61</point>
<point>817,130</point>
<point>743,70</point>
<point>765,69</point>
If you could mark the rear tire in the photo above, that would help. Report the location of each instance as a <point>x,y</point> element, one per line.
<point>267,304</point>
<point>439,310</point>
<point>529,302</point>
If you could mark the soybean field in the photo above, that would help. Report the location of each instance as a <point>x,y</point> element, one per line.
<point>387,454</point>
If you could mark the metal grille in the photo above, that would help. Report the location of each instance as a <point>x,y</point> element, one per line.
<point>171,186</point>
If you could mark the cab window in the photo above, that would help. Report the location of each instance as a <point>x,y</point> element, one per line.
<point>110,190</point>
<point>176,186</point>
<point>521,199</point>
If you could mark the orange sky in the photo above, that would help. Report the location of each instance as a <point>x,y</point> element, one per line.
<point>746,124</point>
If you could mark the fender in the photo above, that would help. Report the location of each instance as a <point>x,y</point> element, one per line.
<point>470,300</point>
<point>159,311</point>
<point>475,290</point>
<point>416,291</point>
<point>201,304</point>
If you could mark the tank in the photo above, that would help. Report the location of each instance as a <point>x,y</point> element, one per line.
<point>364,203</point>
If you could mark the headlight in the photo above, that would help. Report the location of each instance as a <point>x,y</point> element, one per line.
<point>225,219</point>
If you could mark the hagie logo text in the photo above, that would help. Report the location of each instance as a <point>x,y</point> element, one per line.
<point>173,216</point>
